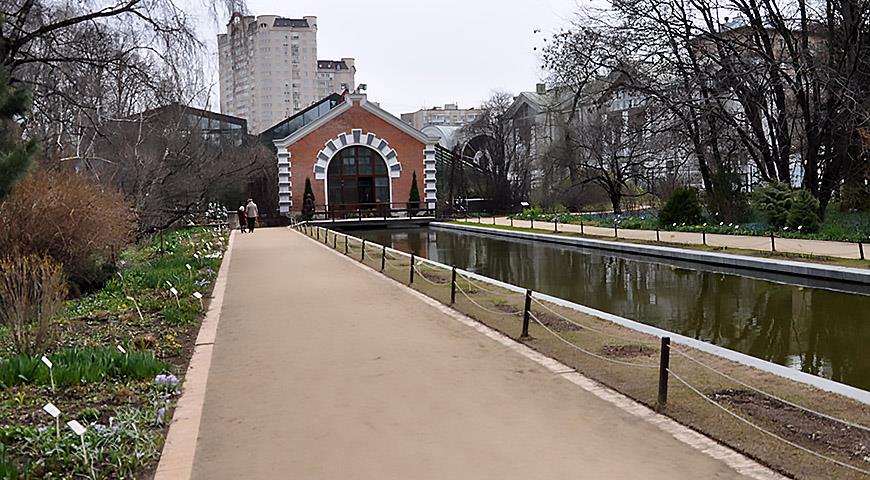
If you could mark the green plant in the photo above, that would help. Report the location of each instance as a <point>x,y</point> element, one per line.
<point>90,414</point>
<point>15,156</point>
<point>32,291</point>
<point>308,203</point>
<point>78,366</point>
<point>414,196</point>
<point>774,201</point>
<point>8,469</point>
<point>804,212</point>
<point>682,207</point>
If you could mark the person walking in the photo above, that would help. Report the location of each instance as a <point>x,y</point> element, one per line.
<point>252,213</point>
<point>243,218</point>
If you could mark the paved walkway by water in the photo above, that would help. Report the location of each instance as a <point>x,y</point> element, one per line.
<point>787,245</point>
<point>322,369</point>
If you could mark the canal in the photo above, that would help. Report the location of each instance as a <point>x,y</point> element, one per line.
<point>816,330</point>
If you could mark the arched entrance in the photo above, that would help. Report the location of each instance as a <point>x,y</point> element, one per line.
<point>357,178</point>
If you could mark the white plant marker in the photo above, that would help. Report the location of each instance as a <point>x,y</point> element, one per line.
<point>121,349</point>
<point>175,293</point>
<point>80,431</point>
<point>198,296</point>
<point>136,304</point>
<point>54,412</point>
<point>50,366</point>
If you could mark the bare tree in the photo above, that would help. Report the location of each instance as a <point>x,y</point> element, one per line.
<point>491,142</point>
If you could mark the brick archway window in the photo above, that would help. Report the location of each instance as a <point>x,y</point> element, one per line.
<point>357,177</point>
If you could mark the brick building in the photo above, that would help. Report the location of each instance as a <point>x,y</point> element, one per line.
<point>355,154</point>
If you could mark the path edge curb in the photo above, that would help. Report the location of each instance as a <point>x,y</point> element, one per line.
<point>179,449</point>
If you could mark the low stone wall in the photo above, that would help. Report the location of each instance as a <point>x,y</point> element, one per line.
<point>803,269</point>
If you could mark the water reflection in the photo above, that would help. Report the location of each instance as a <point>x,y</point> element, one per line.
<point>821,332</point>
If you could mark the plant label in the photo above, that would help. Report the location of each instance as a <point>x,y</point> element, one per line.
<point>51,409</point>
<point>131,298</point>
<point>76,427</point>
<point>169,283</point>
<point>197,295</point>
<point>47,362</point>
<point>188,266</point>
<point>174,291</point>
<point>121,349</point>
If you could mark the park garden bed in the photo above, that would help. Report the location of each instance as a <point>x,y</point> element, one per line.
<point>837,226</point>
<point>117,359</point>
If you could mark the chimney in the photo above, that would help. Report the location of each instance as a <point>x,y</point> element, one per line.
<point>541,89</point>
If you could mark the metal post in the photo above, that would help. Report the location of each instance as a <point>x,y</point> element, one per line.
<point>479,218</point>
<point>861,249</point>
<point>526,310</point>
<point>411,271</point>
<point>532,223</point>
<point>318,234</point>
<point>512,221</point>
<point>772,242</point>
<point>453,286</point>
<point>657,234</point>
<point>334,240</point>
<point>581,228</point>
<point>664,364</point>
<point>362,257</point>
<point>493,219</point>
<point>345,245</point>
<point>704,236</point>
<point>615,230</point>
<point>556,225</point>
<point>359,214</point>
<point>383,257</point>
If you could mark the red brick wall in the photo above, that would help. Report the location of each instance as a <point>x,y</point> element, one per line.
<point>303,154</point>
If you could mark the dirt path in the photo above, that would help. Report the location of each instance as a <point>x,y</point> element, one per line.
<point>322,370</point>
<point>789,245</point>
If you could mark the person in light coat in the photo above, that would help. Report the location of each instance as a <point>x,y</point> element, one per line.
<point>252,213</point>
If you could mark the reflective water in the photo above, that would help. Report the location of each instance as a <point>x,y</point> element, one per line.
<point>818,331</point>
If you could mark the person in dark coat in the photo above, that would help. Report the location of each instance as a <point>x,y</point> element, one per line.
<point>243,219</point>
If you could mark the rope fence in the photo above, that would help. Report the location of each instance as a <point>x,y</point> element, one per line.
<point>762,429</point>
<point>398,260</point>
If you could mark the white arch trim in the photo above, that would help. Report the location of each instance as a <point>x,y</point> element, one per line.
<point>355,138</point>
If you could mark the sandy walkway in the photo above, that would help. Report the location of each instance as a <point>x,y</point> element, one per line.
<point>322,370</point>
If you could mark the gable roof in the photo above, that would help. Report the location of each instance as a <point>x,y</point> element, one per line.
<point>347,105</point>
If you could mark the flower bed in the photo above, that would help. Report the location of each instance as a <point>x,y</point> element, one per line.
<point>115,363</point>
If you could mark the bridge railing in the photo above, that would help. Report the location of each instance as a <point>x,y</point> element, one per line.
<point>369,211</point>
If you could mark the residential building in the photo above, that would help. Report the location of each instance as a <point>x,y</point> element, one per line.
<point>449,115</point>
<point>335,76</point>
<point>269,68</point>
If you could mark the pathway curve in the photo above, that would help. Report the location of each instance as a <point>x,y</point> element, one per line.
<point>324,370</point>
<point>789,245</point>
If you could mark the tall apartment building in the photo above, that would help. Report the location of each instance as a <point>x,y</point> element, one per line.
<point>269,69</point>
<point>335,76</point>
<point>451,115</point>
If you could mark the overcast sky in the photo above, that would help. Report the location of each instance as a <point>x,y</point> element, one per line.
<point>415,54</point>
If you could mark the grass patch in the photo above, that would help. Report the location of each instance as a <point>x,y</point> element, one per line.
<point>80,366</point>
